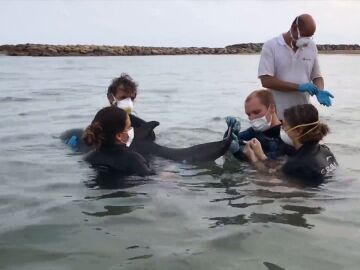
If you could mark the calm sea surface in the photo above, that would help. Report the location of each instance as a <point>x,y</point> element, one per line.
<point>54,214</point>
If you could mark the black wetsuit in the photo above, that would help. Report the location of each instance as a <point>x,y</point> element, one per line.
<point>311,162</point>
<point>270,141</point>
<point>120,159</point>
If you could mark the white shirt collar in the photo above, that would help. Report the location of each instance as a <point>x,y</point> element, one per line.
<point>281,40</point>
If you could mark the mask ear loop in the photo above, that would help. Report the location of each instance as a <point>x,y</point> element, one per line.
<point>297,27</point>
<point>311,129</point>
<point>304,125</point>
<point>114,102</point>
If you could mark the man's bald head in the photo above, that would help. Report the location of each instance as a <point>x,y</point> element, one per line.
<point>306,24</point>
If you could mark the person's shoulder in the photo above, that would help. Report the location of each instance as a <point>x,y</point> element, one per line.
<point>272,42</point>
<point>90,156</point>
<point>328,154</point>
<point>247,134</point>
<point>134,156</point>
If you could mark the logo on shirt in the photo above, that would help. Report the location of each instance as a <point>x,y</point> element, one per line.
<point>331,167</point>
<point>306,59</point>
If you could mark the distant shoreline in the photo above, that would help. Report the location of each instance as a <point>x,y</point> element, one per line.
<point>103,50</point>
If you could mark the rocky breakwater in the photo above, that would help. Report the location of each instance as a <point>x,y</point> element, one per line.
<point>95,50</point>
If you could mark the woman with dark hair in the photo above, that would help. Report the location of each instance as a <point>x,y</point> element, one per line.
<point>112,134</point>
<point>303,130</point>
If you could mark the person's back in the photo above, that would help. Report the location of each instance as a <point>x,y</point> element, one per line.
<point>118,159</point>
<point>312,162</point>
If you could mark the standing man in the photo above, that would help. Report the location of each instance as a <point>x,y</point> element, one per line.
<point>289,67</point>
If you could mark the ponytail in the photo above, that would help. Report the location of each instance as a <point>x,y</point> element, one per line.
<point>94,135</point>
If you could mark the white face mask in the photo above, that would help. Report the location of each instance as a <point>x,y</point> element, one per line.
<point>260,124</point>
<point>126,104</point>
<point>285,138</point>
<point>131,136</point>
<point>300,41</point>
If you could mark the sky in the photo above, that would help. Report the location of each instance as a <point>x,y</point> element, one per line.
<point>177,23</point>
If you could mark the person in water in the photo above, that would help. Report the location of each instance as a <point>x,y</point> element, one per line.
<point>121,93</point>
<point>265,127</point>
<point>112,134</point>
<point>303,130</point>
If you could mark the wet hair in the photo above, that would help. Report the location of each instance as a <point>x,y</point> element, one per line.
<point>107,123</point>
<point>306,114</point>
<point>265,96</point>
<point>125,83</point>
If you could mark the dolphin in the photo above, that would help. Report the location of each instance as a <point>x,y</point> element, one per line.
<point>144,144</point>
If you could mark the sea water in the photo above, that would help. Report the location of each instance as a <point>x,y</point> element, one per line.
<point>220,215</point>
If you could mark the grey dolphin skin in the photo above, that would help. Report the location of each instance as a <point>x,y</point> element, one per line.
<point>143,144</point>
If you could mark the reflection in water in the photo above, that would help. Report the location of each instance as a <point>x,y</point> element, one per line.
<point>116,194</point>
<point>245,205</point>
<point>272,266</point>
<point>295,219</point>
<point>115,181</point>
<point>115,210</point>
<point>140,257</point>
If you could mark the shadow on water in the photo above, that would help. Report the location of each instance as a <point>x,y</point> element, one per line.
<point>112,210</point>
<point>295,219</point>
<point>101,180</point>
<point>272,266</point>
<point>111,180</point>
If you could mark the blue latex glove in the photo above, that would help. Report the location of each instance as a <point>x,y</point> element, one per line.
<point>323,97</point>
<point>232,121</point>
<point>234,146</point>
<point>308,87</point>
<point>73,141</point>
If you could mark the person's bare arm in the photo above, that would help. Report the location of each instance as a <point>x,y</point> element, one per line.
<point>271,82</point>
<point>319,82</point>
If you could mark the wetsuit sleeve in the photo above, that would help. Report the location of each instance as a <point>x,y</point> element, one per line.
<point>139,165</point>
<point>246,135</point>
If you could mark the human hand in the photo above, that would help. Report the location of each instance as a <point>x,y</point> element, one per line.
<point>308,87</point>
<point>257,148</point>
<point>73,141</point>
<point>249,152</point>
<point>323,97</point>
<point>232,121</point>
<point>234,145</point>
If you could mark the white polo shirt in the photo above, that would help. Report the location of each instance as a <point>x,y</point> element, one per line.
<point>279,60</point>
